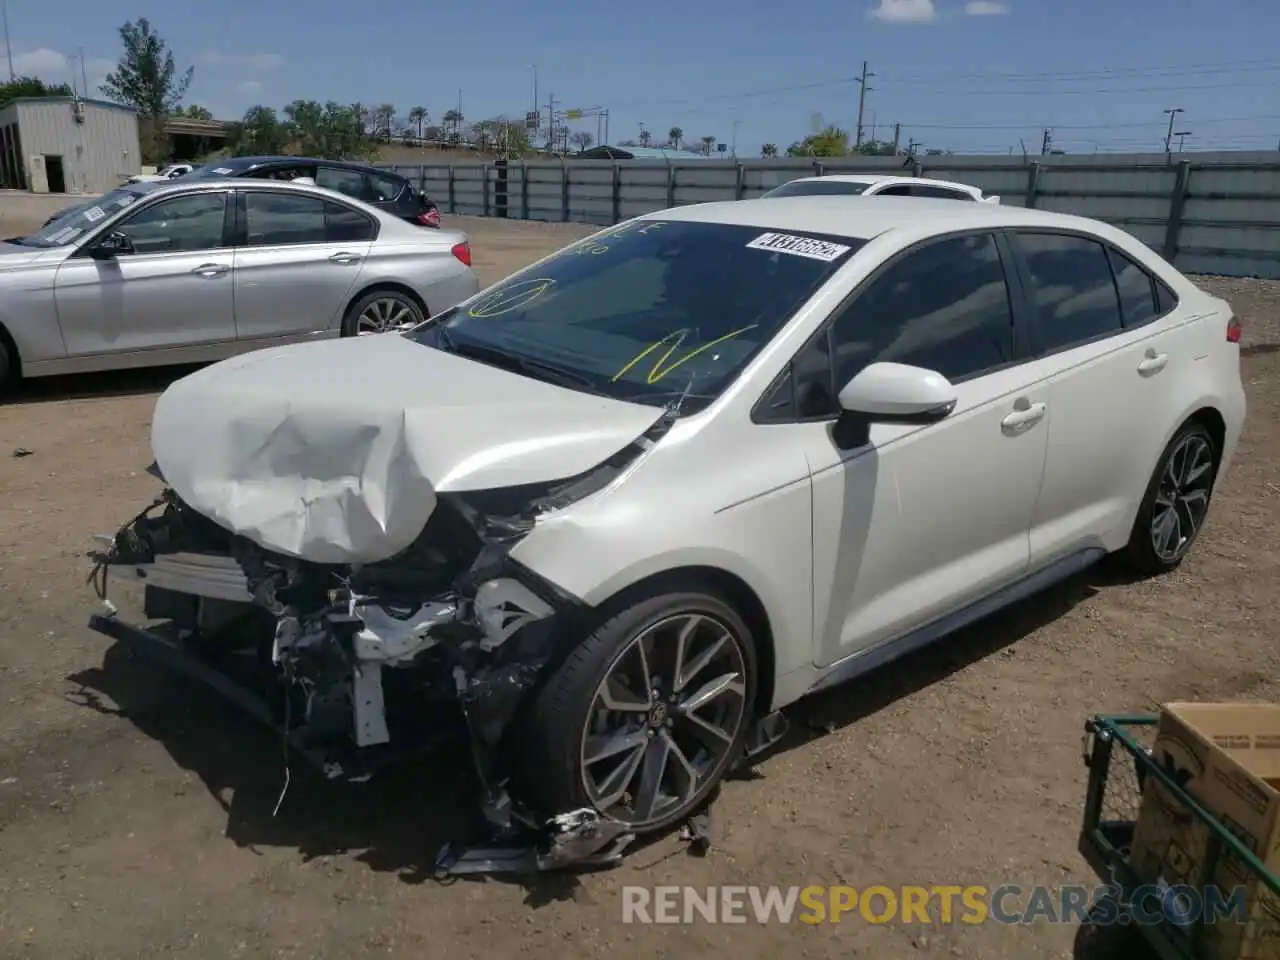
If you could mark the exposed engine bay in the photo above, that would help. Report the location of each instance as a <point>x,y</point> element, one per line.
<point>360,665</point>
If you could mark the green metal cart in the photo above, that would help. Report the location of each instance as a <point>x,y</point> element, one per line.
<point>1118,755</point>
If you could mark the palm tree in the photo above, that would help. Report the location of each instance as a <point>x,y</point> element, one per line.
<point>707,144</point>
<point>769,150</point>
<point>676,136</point>
<point>453,121</point>
<point>645,137</point>
<point>383,117</point>
<point>418,116</point>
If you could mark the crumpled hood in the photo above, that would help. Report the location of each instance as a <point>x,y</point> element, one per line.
<point>334,451</point>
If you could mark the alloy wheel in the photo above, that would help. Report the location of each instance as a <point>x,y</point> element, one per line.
<point>664,719</point>
<point>1182,498</point>
<point>382,315</point>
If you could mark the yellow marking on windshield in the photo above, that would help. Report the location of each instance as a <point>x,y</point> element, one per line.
<point>659,370</point>
<point>510,298</point>
<point>594,246</point>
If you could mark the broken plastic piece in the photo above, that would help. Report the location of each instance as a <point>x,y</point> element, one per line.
<point>764,733</point>
<point>697,832</point>
<point>581,838</point>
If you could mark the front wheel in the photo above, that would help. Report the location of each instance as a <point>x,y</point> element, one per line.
<point>1176,501</point>
<point>644,717</point>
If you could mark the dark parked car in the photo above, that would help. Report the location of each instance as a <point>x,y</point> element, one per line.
<point>385,190</point>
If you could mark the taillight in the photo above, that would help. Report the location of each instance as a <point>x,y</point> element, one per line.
<point>1234,329</point>
<point>463,252</point>
<point>429,218</point>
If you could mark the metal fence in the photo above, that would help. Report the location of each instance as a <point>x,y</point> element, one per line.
<point>1218,213</point>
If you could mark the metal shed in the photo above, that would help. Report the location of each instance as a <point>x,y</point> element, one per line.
<point>67,145</point>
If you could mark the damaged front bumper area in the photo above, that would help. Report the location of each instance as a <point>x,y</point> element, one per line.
<point>356,667</point>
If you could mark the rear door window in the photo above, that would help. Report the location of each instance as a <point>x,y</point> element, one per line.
<point>278,219</point>
<point>1071,287</point>
<point>385,189</point>
<point>353,183</point>
<point>941,193</point>
<point>1137,290</point>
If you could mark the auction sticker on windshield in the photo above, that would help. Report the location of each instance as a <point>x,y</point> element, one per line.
<point>823,250</point>
<point>94,214</point>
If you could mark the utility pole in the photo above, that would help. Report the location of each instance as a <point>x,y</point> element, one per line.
<point>1168,137</point>
<point>551,122</point>
<point>1046,141</point>
<point>1182,135</point>
<point>84,73</point>
<point>862,102</point>
<point>897,137</point>
<point>8,50</point>
<point>537,121</point>
<point>733,140</point>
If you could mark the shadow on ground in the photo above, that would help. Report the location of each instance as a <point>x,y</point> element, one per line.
<point>400,820</point>
<point>90,386</point>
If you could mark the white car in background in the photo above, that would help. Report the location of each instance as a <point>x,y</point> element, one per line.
<point>172,172</point>
<point>623,506</point>
<point>877,185</point>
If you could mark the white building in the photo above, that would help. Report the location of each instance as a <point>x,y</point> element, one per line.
<point>67,145</point>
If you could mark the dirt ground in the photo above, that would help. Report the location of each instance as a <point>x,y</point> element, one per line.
<point>136,814</point>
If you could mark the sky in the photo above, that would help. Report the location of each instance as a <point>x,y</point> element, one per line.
<point>973,76</point>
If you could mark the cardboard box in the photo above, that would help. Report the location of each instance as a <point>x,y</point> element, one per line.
<point>1227,757</point>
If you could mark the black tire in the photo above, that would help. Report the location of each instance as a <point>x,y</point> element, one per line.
<point>1141,554</point>
<point>414,311</point>
<point>8,366</point>
<point>550,762</point>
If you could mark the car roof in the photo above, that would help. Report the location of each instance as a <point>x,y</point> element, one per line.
<point>250,163</point>
<point>870,178</point>
<point>862,218</point>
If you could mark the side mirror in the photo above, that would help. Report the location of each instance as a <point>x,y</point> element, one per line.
<point>898,393</point>
<point>111,246</point>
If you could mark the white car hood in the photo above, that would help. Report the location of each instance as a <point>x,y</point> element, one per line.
<point>334,451</point>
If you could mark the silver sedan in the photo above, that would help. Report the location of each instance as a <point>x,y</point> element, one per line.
<point>188,272</point>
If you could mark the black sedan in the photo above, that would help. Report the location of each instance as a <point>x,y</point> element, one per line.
<point>388,191</point>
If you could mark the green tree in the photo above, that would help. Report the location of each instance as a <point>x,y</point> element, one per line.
<point>383,119</point>
<point>260,131</point>
<point>31,87</point>
<point>417,117</point>
<point>769,150</point>
<point>581,139</point>
<point>147,79</point>
<point>676,137</point>
<point>829,142</point>
<point>193,112</point>
<point>707,144</point>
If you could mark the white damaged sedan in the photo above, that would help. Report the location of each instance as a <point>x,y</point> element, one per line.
<point>613,513</point>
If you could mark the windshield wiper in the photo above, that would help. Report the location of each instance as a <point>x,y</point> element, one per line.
<point>517,364</point>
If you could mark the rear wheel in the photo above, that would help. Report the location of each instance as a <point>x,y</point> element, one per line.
<point>1176,502</point>
<point>8,366</point>
<point>380,311</point>
<point>646,715</point>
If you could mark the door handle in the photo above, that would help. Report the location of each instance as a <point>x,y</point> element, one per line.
<point>211,270</point>
<point>344,257</point>
<point>1025,416</point>
<point>1153,362</point>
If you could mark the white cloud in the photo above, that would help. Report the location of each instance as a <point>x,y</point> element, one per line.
<point>985,8</point>
<point>905,11</point>
<point>42,63</point>
<point>263,61</point>
<point>250,61</point>
<point>54,67</point>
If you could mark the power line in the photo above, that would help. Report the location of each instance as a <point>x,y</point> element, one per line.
<point>1108,73</point>
<point>746,95</point>
<point>1139,124</point>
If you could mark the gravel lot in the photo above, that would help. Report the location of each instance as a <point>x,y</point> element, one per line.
<point>136,816</point>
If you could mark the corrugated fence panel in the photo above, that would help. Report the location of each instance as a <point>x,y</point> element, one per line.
<point>1212,213</point>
